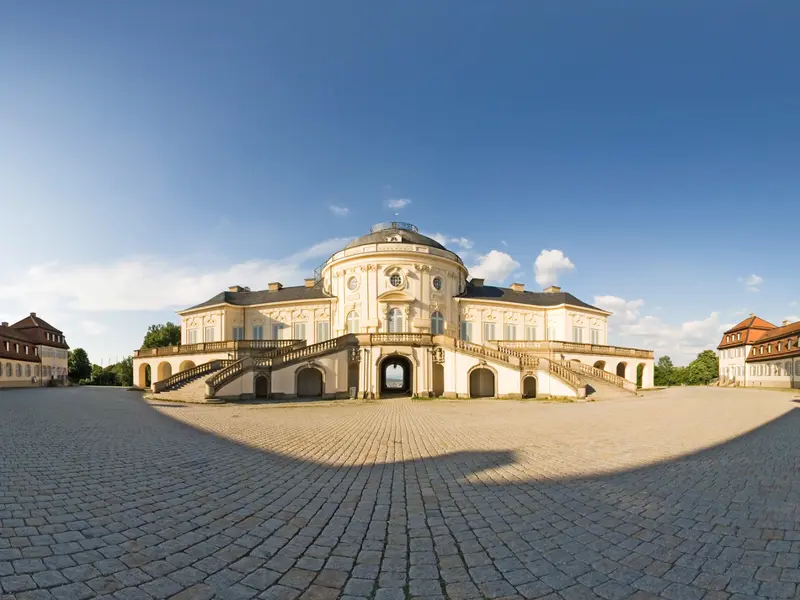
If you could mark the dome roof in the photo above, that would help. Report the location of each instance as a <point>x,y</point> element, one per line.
<point>382,232</point>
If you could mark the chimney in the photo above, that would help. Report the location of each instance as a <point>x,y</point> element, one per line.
<point>310,282</point>
<point>236,288</point>
<point>476,282</point>
<point>518,287</point>
<point>275,286</point>
<point>4,324</point>
<point>786,322</point>
<point>33,314</point>
<point>752,314</point>
<point>553,289</point>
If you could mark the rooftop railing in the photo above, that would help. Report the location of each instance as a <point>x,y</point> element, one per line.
<point>228,346</point>
<point>557,346</point>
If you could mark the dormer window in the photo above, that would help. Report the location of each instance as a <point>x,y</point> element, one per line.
<point>738,336</point>
<point>394,238</point>
<point>47,335</point>
<point>761,350</point>
<point>779,346</point>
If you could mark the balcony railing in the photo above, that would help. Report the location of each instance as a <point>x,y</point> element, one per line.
<point>556,346</point>
<point>377,339</point>
<point>207,347</point>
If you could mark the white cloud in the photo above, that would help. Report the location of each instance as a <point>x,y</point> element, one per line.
<point>549,265</point>
<point>505,243</point>
<point>450,242</point>
<point>495,266</point>
<point>752,283</point>
<point>151,283</point>
<point>339,211</point>
<point>628,327</point>
<point>398,203</point>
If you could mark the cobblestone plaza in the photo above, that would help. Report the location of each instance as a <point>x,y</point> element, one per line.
<point>682,494</point>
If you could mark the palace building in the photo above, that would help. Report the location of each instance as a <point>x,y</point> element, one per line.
<point>393,312</point>
<point>32,353</point>
<point>756,353</point>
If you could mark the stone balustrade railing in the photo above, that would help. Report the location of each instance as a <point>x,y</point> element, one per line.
<point>417,339</point>
<point>189,374</point>
<point>611,378</point>
<point>565,373</point>
<point>557,346</point>
<point>228,346</point>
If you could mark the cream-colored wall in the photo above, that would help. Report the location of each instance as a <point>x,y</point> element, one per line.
<point>170,364</point>
<point>733,358</point>
<point>765,373</point>
<point>54,362</point>
<point>28,371</point>
<point>333,367</point>
<point>287,314</point>
<point>375,296</point>
<point>560,319</point>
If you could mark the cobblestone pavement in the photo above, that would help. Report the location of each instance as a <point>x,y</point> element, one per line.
<point>684,494</point>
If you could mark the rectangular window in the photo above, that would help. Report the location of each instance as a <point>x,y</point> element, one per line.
<point>510,333</point>
<point>577,334</point>
<point>258,332</point>
<point>191,336</point>
<point>466,331</point>
<point>208,334</point>
<point>530,333</point>
<point>277,328</point>
<point>323,331</point>
<point>488,332</point>
<point>299,332</point>
<point>595,336</point>
<point>551,333</point>
<point>238,333</point>
<point>26,349</point>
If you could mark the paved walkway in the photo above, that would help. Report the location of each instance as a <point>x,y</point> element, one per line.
<point>684,494</point>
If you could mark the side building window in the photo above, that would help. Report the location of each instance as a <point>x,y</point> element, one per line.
<point>488,332</point>
<point>258,332</point>
<point>191,336</point>
<point>577,334</point>
<point>510,332</point>
<point>352,322</point>
<point>437,323</point>
<point>323,331</point>
<point>530,333</point>
<point>238,333</point>
<point>299,331</point>
<point>208,334</point>
<point>595,336</point>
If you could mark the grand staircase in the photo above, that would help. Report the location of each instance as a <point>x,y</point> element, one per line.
<point>189,385</point>
<point>601,385</point>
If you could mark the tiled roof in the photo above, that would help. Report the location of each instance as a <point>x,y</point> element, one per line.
<point>545,299</point>
<point>787,337</point>
<point>36,328</point>
<point>16,336</point>
<point>287,294</point>
<point>753,328</point>
<point>33,320</point>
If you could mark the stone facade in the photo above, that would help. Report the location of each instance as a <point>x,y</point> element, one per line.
<point>403,298</point>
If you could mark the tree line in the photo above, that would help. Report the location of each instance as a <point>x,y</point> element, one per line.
<point>83,372</point>
<point>701,371</point>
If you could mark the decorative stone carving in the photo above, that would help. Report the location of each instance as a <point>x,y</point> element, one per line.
<point>437,354</point>
<point>354,355</point>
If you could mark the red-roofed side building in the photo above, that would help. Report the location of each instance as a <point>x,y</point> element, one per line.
<point>50,346</point>
<point>735,346</point>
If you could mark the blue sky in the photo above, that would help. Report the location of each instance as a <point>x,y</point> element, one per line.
<point>153,153</point>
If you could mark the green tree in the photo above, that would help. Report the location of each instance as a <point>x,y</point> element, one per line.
<point>703,369</point>
<point>124,371</point>
<point>159,336</point>
<point>79,365</point>
<point>663,373</point>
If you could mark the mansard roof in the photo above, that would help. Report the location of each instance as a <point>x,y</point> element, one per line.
<point>248,298</point>
<point>752,328</point>
<point>34,328</point>
<point>544,299</point>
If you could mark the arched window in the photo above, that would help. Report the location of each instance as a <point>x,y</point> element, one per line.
<point>395,318</point>
<point>437,323</point>
<point>27,370</point>
<point>8,369</point>
<point>19,370</point>
<point>352,322</point>
<point>1,369</point>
